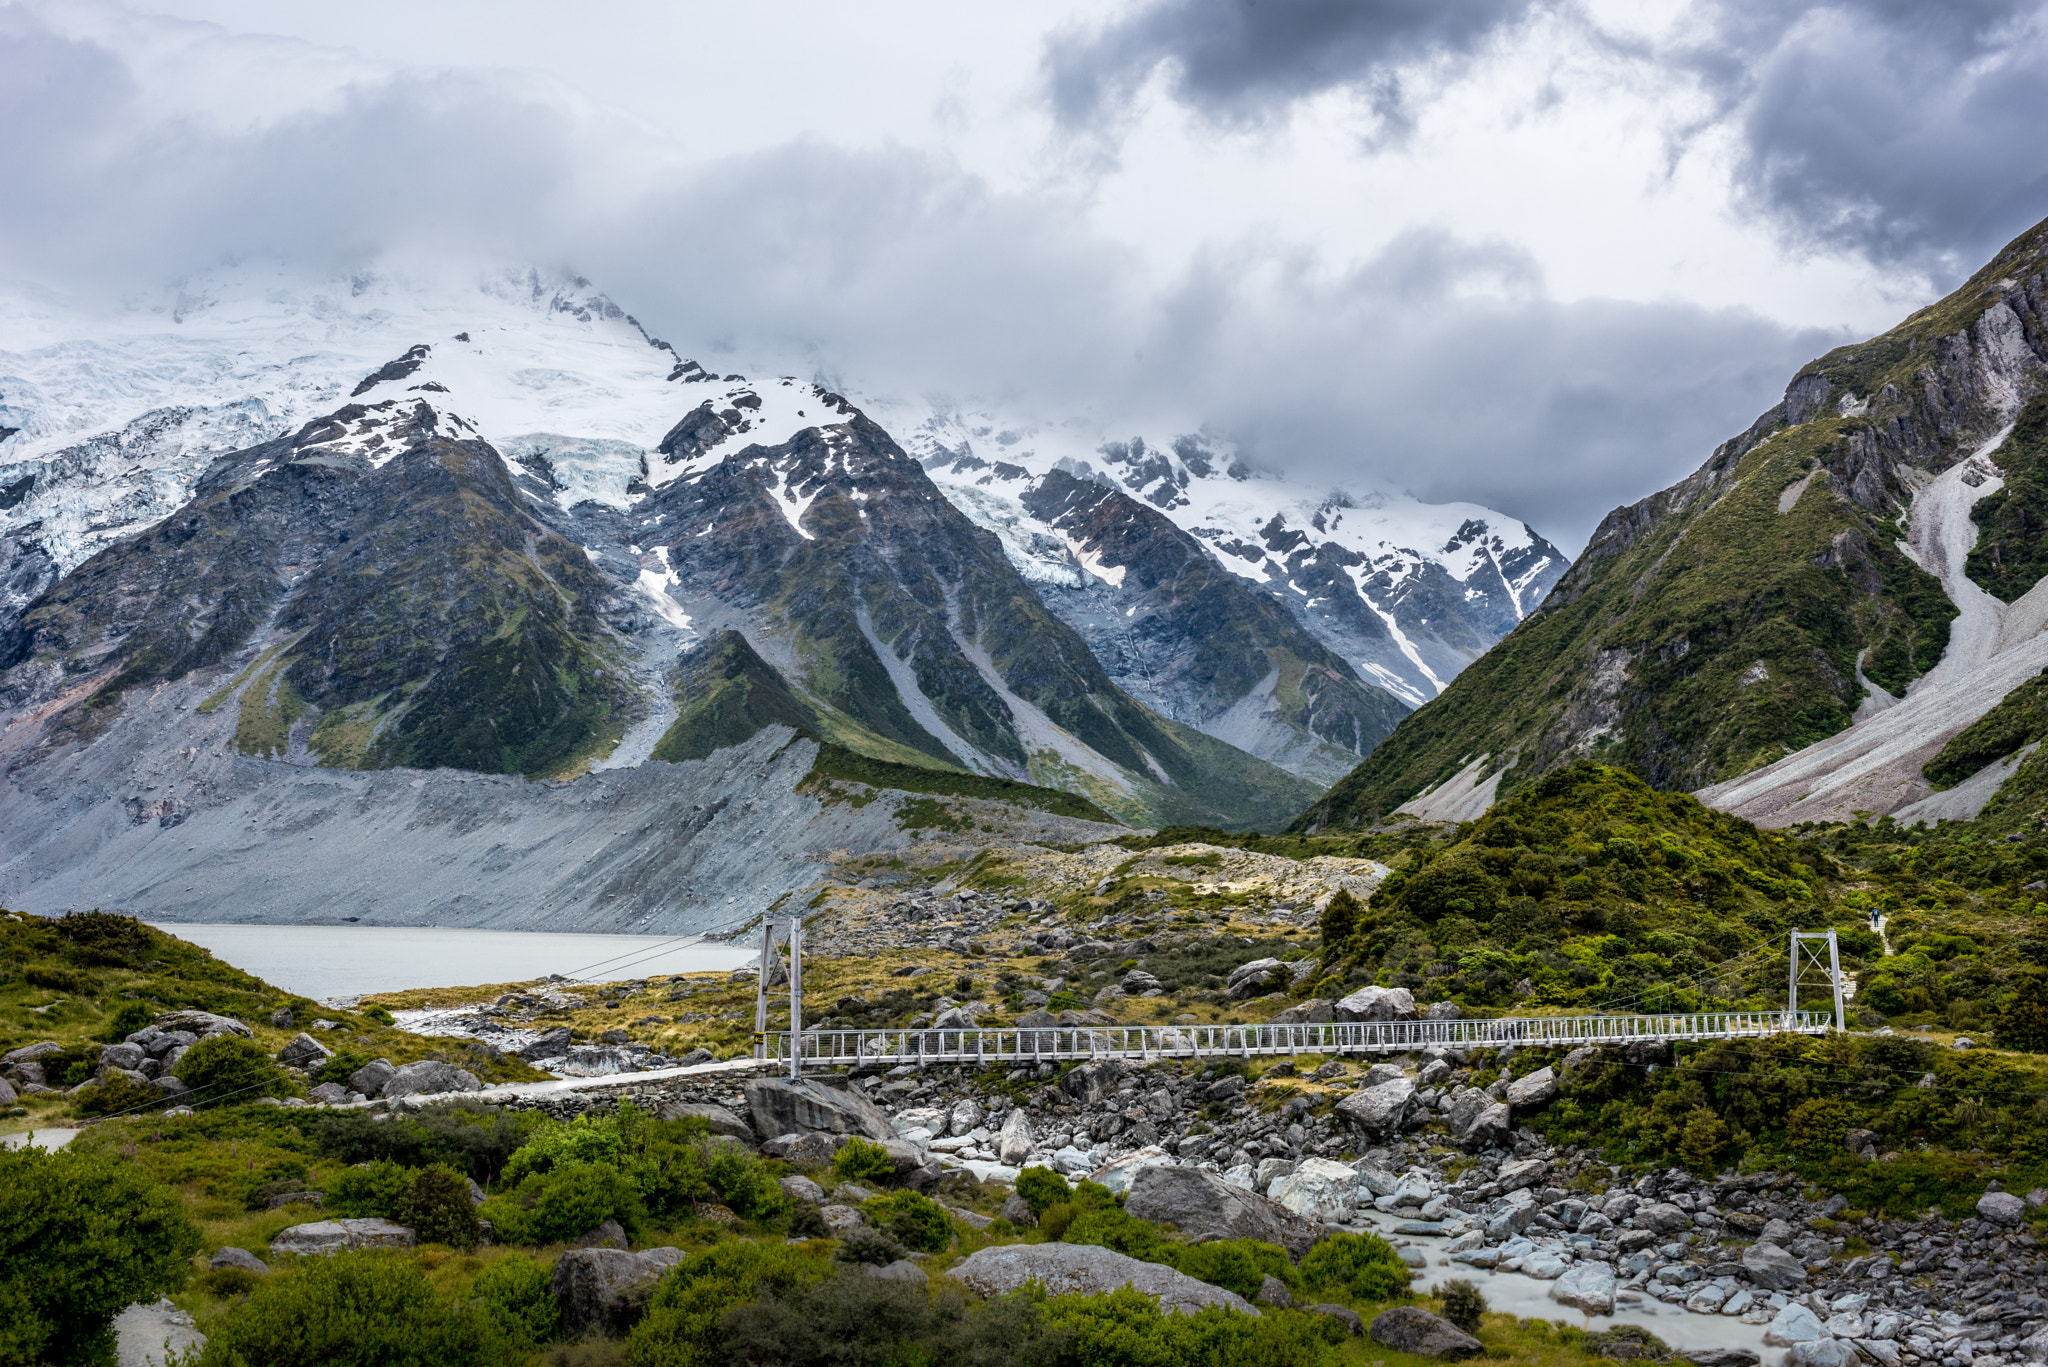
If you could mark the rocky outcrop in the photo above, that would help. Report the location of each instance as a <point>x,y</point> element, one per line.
<point>594,1287</point>
<point>1202,1206</point>
<point>780,1107</point>
<point>429,1077</point>
<point>1083,1269</point>
<point>1406,1329</point>
<point>324,1238</point>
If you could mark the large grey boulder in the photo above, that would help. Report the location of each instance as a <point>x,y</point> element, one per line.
<point>1319,1190</point>
<point>1379,1110</point>
<point>239,1257</point>
<point>1202,1206</point>
<point>1794,1324</point>
<point>430,1077</point>
<point>7,1093</point>
<point>1588,1287</point>
<point>1822,1353</point>
<point>304,1052</point>
<point>1772,1267</point>
<point>172,1088</point>
<point>324,1238</point>
<point>327,1094</point>
<point>1068,1269</point>
<point>1377,1004</point>
<point>2001,1208</point>
<point>1661,1217</point>
<point>28,1053</point>
<point>1250,979</point>
<point>717,1117</point>
<point>548,1044</point>
<point>590,1285</point>
<point>371,1077</point>
<point>126,1057</point>
<point>780,1106</point>
<point>1534,1091</point>
<point>203,1023</point>
<point>1477,1121</point>
<point>1406,1329</point>
<point>1015,1141</point>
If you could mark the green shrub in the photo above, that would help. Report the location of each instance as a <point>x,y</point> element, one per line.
<point>227,1070</point>
<point>1113,1229</point>
<point>132,1017</point>
<point>869,1246</point>
<point>228,1282</point>
<point>2022,1022</point>
<point>1364,1265</point>
<point>1240,1265</point>
<point>1816,1128</point>
<point>586,1139</point>
<point>464,1134</point>
<point>362,1307</point>
<point>116,1093</point>
<point>1041,1188</point>
<point>1464,1304</point>
<point>741,1179</point>
<point>515,1292</point>
<point>437,1207</point>
<point>556,1206</point>
<point>369,1189</point>
<point>912,1220</point>
<point>1127,1328</point>
<point>860,1160</point>
<point>853,1320</point>
<point>379,1015</point>
<point>81,1236</point>
<point>682,1326</point>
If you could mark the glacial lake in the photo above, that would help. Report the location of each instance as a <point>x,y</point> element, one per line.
<point>350,961</point>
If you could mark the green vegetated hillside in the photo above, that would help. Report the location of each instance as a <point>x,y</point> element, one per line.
<point>87,979</point>
<point>2011,554</point>
<point>1704,632</point>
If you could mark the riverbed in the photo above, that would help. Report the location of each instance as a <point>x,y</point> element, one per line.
<point>351,961</point>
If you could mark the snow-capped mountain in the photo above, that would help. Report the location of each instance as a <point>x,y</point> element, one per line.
<point>1409,592</point>
<point>1284,623</point>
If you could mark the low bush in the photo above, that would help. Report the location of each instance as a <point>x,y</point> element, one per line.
<point>586,1139</point>
<point>912,1220</point>
<point>1464,1304</point>
<point>437,1207</point>
<point>1363,1265</point>
<point>683,1324</point>
<point>81,1236</point>
<point>853,1320</point>
<point>515,1292</point>
<point>861,1160</point>
<point>1127,1328</point>
<point>1042,1188</point>
<point>227,1070</point>
<point>369,1189</point>
<point>869,1246</point>
<point>116,1093</point>
<point>1240,1265</point>
<point>556,1206</point>
<point>367,1306</point>
<point>470,1137</point>
<point>132,1016</point>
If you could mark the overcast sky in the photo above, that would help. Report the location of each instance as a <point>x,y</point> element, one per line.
<point>1541,256</point>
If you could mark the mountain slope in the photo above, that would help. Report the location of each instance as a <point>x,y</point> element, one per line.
<point>1803,577</point>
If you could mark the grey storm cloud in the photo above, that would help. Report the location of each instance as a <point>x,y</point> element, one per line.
<point>1238,59</point>
<point>1437,365</point>
<point>1908,131</point>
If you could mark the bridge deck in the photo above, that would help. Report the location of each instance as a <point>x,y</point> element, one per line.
<point>1050,1044</point>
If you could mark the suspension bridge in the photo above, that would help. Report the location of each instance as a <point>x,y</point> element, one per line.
<point>1812,955</point>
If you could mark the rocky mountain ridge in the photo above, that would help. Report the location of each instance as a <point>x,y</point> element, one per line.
<point>1814,570</point>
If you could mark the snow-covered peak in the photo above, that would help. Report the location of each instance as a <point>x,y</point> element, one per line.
<point>1409,591</point>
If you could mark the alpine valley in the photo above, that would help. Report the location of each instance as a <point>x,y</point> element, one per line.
<point>306,581</point>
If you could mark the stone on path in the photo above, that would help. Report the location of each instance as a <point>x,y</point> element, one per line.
<point>1588,1287</point>
<point>1406,1329</point>
<point>1067,1269</point>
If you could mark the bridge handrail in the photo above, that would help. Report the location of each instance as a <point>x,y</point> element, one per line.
<point>1048,1043</point>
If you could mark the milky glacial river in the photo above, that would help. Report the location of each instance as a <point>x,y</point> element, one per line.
<point>348,961</point>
